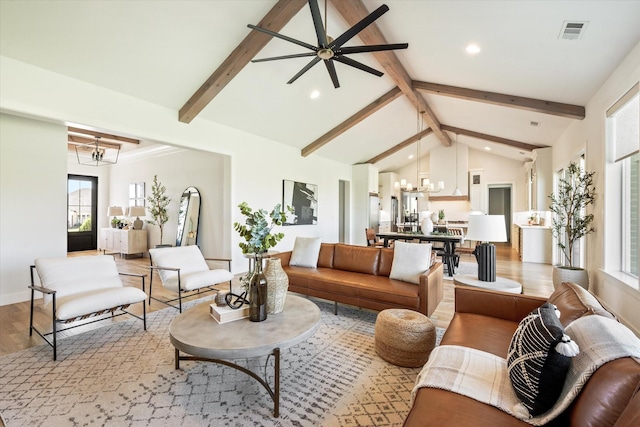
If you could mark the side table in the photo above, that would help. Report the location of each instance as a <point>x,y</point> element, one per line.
<point>501,283</point>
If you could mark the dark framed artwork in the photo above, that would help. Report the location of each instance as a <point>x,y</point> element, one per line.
<point>476,179</point>
<point>303,198</point>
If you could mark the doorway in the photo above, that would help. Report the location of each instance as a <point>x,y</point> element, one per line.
<point>500,204</point>
<point>344,195</point>
<point>82,213</point>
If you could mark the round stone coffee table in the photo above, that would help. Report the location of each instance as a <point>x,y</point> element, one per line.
<point>501,283</point>
<point>197,334</point>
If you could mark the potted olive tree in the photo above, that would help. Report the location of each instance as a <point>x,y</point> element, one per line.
<point>158,202</point>
<point>571,222</point>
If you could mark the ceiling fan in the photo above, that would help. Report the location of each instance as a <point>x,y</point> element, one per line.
<point>328,49</point>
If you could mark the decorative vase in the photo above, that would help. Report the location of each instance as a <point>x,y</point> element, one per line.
<point>277,285</point>
<point>579,276</point>
<point>257,292</point>
<point>426,226</point>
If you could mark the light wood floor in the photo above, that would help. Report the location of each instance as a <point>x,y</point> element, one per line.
<point>14,318</point>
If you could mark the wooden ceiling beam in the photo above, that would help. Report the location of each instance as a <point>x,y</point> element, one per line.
<point>274,20</point>
<point>522,103</point>
<point>407,142</point>
<point>497,139</point>
<point>103,135</point>
<point>353,11</point>
<point>352,121</point>
<point>79,140</point>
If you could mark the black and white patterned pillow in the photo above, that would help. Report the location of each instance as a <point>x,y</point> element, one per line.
<point>538,359</point>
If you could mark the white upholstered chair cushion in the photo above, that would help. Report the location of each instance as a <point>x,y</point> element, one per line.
<point>194,270</point>
<point>72,306</point>
<point>85,285</point>
<point>73,275</point>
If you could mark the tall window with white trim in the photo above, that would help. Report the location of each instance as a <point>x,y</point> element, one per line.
<point>624,133</point>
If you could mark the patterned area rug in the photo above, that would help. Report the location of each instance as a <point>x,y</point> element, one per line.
<point>119,375</point>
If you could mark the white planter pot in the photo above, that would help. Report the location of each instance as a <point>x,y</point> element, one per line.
<point>579,276</point>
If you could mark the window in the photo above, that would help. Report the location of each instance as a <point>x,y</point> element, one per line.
<point>623,123</point>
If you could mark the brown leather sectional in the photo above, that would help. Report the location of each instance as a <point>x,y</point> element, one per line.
<point>359,276</point>
<point>486,320</point>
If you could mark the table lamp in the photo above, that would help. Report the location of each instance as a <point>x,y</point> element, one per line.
<point>486,229</point>
<point>114,211</point>
<point>137,211</point>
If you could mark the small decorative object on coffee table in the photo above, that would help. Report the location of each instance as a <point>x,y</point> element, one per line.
<point>277,285</point>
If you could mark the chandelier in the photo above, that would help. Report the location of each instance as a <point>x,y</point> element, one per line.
<point>97,154</point>
<point>424,185</point>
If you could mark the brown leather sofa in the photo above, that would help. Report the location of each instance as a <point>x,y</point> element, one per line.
<point>486,320</point>
<point>359,276</point>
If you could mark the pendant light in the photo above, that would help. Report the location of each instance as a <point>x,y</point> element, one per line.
<point>457,191</point>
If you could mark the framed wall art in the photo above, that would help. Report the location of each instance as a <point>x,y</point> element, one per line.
<point>303,198</point>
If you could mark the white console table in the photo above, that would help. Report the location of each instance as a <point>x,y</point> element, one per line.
<point>126,242</point>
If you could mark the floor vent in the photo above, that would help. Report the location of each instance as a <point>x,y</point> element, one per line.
<point>572,30</point>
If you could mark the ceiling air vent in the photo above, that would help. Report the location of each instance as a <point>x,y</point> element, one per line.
<point>572,30</point>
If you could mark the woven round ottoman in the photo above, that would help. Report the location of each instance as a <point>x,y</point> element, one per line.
<point>404,337</point>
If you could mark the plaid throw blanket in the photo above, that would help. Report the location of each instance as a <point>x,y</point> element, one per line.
<point>483,376</point>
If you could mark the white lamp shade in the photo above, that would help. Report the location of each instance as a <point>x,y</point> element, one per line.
<point>137,211</point>
<point>487,228</point>
<point>114,211</point>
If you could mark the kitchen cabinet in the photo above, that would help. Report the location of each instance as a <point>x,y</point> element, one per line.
<point>125,242</point>
<point>533,243</point>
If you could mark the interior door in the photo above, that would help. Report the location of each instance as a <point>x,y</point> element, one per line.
<point>500,204</point>
<point>82,210</point>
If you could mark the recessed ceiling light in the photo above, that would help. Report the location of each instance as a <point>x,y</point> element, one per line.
<point>473,49</point>
<point>411,156</point>
<point>487,148</point>
<point>315,94</point>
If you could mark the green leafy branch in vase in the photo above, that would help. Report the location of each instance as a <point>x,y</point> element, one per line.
<point>256,231</point>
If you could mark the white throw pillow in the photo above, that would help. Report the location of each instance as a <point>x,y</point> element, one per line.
<point>410,260</point>
<point>305,252</point>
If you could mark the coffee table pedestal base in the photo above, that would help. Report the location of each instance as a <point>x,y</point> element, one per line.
<point>274,393</point>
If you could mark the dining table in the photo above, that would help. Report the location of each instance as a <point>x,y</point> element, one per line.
<point>449,244</point>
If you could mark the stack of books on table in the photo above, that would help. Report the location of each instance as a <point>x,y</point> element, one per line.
<point>224,313</point>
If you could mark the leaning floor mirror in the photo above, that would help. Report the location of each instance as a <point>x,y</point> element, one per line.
<point>188,217</point>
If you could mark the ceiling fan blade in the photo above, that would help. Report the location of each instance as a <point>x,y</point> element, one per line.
<point>332,72</point>
<point>358,65</point>
<point>317,23</point>
<point>306,68</point>
<point>295,55</point>
<point>367,20</point>
<point>371,48</point>
<point>280,36</point>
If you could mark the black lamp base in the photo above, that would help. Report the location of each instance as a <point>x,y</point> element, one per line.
<point>486,256</point>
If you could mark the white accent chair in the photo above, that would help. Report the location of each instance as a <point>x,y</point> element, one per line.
<point>82,287</point>
<point>184,269</point>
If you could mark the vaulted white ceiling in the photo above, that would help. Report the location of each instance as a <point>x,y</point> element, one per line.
<point>162,52</point>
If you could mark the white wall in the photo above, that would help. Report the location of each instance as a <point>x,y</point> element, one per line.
<point>33,207</point>
<point>256,168</point>
<point>178,169</point>
<point>589,136</point>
